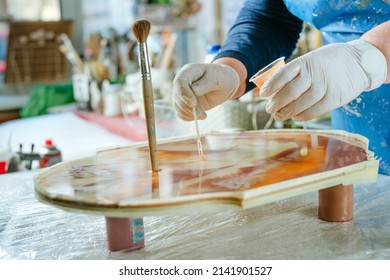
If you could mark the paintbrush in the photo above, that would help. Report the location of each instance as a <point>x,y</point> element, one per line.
<point>166,61</point>
<point>71,52</point>
<point>141,29</point>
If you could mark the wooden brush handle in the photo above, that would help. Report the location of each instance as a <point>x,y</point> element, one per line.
<point>147,91</point>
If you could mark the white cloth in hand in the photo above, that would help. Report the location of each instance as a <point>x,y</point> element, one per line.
<point>324,79</point>
<point>204,86</point>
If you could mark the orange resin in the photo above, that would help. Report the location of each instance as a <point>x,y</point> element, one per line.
<point>233,162</point>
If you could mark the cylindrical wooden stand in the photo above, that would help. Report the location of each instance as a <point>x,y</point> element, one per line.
<point>124,233</point>
<point>335,204</point>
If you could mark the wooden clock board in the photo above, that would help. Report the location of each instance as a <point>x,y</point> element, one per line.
<point>239,170</point>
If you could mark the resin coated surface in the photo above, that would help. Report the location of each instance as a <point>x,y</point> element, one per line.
<point>239,169</point>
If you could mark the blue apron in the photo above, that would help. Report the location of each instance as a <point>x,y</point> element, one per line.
<point>343,21</point>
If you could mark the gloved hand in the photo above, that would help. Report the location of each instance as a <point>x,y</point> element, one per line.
<point>324,79</point>
<point>203,86</point>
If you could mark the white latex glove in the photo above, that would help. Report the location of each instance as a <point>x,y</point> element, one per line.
<point>323,80</point>
<point>204,86</point>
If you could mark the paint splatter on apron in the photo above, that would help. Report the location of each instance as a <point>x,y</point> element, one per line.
<point>343,21</point>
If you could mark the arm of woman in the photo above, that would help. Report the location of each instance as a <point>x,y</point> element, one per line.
<point>263,31</point>
<point>380,37</point>
<point>329,77</point>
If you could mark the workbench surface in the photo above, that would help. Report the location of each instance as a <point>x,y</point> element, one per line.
<point>288,229</point>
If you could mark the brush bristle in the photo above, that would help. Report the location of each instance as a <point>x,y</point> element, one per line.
<point>141,29</point>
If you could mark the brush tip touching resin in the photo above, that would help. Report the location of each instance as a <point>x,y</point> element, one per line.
<point>141,29</point>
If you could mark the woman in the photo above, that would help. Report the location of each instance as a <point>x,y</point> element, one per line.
<point>348,76</point>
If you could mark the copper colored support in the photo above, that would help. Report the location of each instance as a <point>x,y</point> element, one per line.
<point>335,204</point>
<point>124,234</point>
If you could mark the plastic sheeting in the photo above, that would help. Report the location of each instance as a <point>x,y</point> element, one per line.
<point>288,229</point>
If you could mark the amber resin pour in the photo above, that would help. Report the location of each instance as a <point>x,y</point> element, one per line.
<point>234,162</point>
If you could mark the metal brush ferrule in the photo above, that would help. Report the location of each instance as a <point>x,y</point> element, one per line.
<point>144,61</point>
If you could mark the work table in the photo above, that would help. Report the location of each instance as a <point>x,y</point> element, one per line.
<point>10,106</point>
<point>288,229</point>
